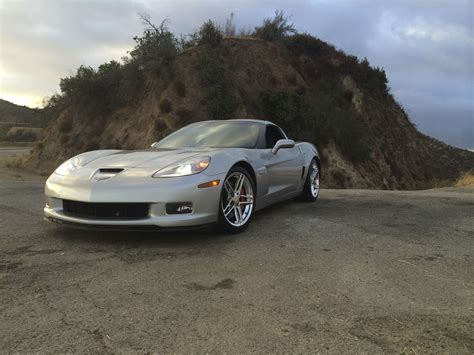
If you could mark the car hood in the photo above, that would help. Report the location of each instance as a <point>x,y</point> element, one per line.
<point>150,158</point>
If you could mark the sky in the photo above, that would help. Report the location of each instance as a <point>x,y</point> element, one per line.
<point>425,46</point>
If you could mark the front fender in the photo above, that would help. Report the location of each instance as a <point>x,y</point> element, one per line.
<point>222,161</point>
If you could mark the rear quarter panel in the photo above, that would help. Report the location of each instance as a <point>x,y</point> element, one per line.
<point>309,152</point>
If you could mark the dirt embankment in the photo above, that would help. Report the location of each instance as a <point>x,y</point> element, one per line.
<point>396,157</point>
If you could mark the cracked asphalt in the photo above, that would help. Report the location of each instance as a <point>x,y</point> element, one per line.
<point>358,271</point>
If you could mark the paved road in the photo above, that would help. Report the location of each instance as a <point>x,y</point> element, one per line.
<point>14,151</point>
<point>359,271</point>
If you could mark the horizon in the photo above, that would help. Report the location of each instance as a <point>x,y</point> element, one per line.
<point>426,48</point>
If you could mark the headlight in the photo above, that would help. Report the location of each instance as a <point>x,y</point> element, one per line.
<point>68,166</point>
<point>187,167</point>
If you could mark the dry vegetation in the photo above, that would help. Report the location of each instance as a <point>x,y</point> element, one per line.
<point>465,180</point>
<point>12,167</point>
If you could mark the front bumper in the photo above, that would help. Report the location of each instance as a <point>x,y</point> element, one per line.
<point>156,192</point>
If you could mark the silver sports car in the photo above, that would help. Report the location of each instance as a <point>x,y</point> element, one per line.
<point>210,172</point>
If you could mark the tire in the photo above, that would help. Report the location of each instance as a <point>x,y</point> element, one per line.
<point>311,184</point>
<point>236,209</point>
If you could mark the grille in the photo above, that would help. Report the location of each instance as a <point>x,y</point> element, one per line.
<point>106,210</point>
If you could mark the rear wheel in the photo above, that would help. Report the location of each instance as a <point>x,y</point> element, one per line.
<point>236,205</point>
<point>311,185</point>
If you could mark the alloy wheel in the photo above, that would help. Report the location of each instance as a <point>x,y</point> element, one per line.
<point>237,199</point>
<point>314,179</point>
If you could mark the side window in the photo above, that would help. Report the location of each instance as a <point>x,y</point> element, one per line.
<point>272,135</point>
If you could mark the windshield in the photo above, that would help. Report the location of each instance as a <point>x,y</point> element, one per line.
<point>215,134</point>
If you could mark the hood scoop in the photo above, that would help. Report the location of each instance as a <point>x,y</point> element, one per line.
<point>105,173</point>
<point>110,170</point>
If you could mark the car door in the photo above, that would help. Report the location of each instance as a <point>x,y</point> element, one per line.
<point>284,168</point>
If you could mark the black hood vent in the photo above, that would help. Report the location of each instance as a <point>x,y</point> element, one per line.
<point>105,173</point>
<point>110,170</point>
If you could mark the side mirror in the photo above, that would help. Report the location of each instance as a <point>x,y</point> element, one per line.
<point>282,144</point>
<point>153,145</point>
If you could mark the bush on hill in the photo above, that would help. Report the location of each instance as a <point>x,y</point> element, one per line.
<point>210,35</point>
<point>221,103</point>
<point>321,119</point>
<point>276,28</point>
<point>156,49</point>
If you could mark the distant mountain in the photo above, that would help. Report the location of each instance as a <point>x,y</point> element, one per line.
<point>15,115</point>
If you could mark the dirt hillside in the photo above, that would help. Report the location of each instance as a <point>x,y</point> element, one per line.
<point>312,90</point>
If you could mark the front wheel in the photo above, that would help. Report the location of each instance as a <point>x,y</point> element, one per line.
<point>311,184</point>
<point>236,204</point>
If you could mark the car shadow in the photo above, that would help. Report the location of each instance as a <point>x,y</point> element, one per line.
<point>162,238</point>
<point>172,238</point>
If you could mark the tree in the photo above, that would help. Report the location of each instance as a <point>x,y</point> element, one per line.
<point>229,29</point>
<point>276,28</point>
<point>157,49</point>
<point>210,35</point>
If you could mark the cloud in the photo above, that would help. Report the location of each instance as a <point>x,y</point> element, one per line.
<point>425,46</point>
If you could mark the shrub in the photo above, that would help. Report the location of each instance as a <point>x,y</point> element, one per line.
<point>336,119</point>
<point>160,126</point>
<point>348,95</point>
<point>4,128</point>
<point>180,88</point>
<point>300,90</point>
<point>306,44</point>
<point>79,85</point>
<point>97,88</point>
<point>65,126</point>
<point>165,106</point>
<point>276,28</point>
<point>292,79</point>
<point>229,29</point>
<point>131,84</point>
<point>13,163</point>
<point>156,49</point>
<point>210,35</point>
<point>189,40</point>
<point>311,70</point>
<point>51,102</point>
<point>274,80</point>
<point>160,129</point>
<point>91,145</point>
<point>465,179</point>
<point>184,116</point>
<point>370,78</point>
<point>282,107</point>
<point>22,135</point>
<point>326,117</point>
<point>64,139</point>
<point>221,103</point>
